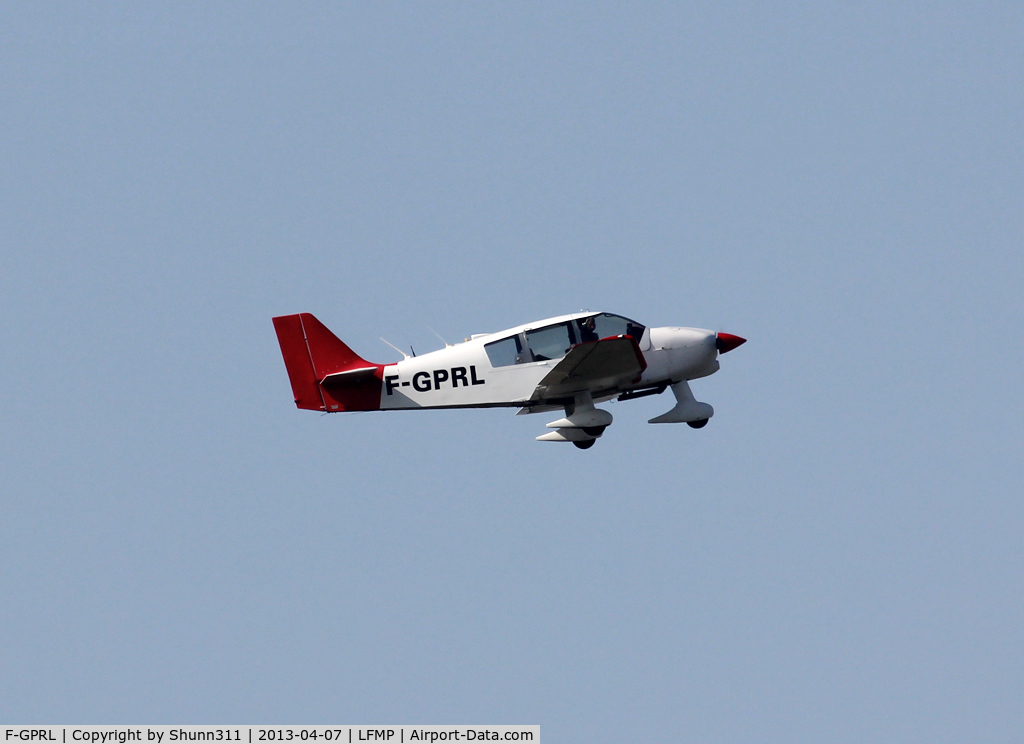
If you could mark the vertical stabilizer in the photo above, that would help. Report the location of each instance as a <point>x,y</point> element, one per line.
<point>314,357</point>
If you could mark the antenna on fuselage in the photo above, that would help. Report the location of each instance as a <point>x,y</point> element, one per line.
<point>446,344</point>
<point>410,344</point>
<point>404,355</point>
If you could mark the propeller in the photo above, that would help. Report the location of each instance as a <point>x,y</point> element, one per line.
<point>726,342</point>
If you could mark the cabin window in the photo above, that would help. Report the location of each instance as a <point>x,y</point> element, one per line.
<point>552,342</point>
<point>506,352</point>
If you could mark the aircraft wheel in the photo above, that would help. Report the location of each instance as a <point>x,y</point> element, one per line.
<point>586,444</point>
<point>698,424</point>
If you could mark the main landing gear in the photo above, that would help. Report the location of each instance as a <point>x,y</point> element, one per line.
<point>582,424</point>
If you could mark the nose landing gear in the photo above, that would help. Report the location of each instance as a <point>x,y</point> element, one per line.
<point>687,409</point>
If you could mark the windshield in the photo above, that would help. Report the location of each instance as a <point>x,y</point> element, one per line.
<point>605,325</point>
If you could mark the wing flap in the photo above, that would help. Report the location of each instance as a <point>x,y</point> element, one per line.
<point>595,366</point>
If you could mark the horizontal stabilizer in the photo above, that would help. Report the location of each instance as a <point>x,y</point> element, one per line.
<point>349,376</point>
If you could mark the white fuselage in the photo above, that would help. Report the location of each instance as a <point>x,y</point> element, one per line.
<point>462,375</point>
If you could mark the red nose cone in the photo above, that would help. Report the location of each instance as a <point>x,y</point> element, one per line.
<point>727,342</point>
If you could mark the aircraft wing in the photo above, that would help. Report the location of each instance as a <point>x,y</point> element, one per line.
<point>596,366</point>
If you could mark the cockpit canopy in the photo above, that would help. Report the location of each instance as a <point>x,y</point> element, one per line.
<point>555,340</point>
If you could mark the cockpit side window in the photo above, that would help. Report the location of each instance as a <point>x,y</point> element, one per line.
<point>552,342</point>
<point>505,352</point>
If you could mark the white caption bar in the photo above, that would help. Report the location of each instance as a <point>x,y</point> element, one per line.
<point>263,734</point>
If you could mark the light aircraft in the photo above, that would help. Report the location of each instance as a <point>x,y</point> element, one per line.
<point>566,363</point>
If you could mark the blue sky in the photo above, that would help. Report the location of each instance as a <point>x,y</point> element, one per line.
<point>836,557</point>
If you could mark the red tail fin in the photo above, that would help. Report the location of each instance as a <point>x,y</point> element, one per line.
<point>325,374</point>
